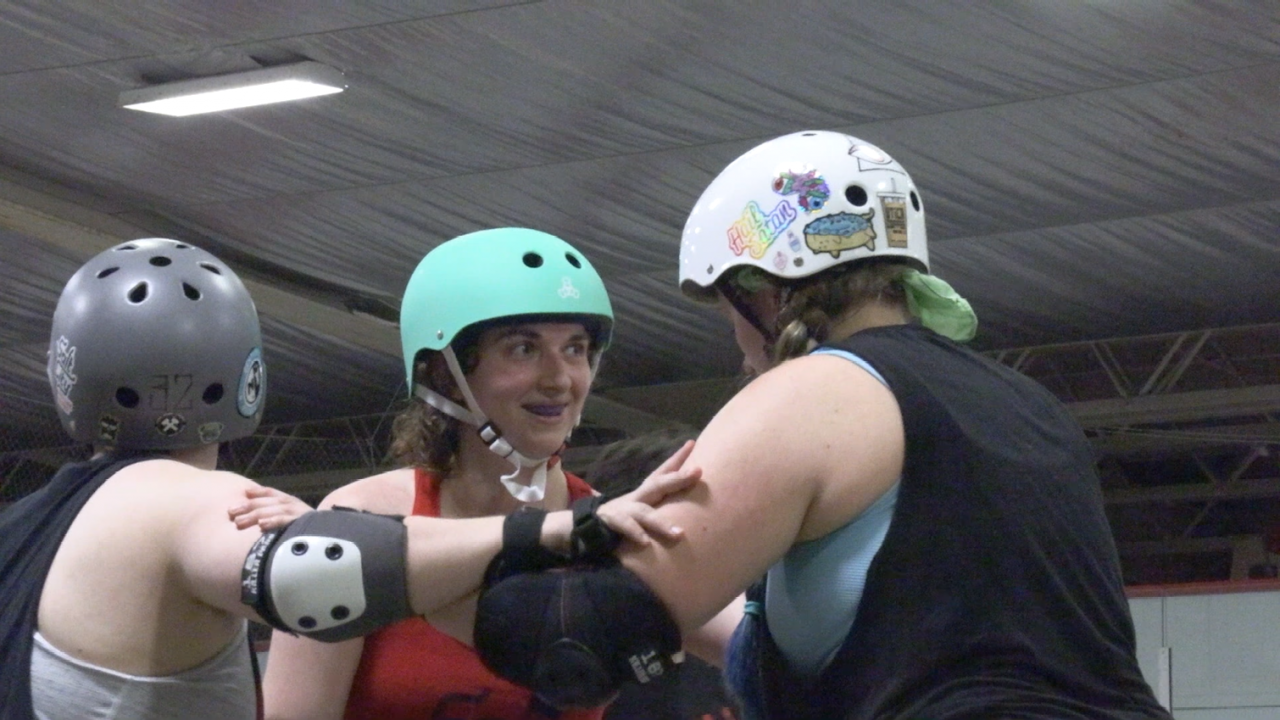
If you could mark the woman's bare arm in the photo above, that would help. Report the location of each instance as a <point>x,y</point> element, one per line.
<point>798,453</point>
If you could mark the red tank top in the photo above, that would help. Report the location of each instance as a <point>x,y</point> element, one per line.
<point>411,671</point>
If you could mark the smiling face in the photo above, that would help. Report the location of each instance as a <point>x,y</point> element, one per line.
<point>531,380</point>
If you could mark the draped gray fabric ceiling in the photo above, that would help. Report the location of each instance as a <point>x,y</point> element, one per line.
<point>1089,169</point>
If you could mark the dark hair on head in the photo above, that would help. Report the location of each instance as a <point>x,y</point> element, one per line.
<point>426,438</point>
<point>809,306</point>
<point>621,466</point>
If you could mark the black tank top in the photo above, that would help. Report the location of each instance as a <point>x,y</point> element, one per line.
<point>997,592</point>
<point>31,530</point>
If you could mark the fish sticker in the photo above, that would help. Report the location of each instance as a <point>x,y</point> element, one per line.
<point>812,190</point>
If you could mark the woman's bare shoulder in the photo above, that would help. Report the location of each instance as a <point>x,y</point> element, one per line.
<point>390,493</point>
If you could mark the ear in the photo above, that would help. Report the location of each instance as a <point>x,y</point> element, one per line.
<point>433,371</point>
<point>767,302</point>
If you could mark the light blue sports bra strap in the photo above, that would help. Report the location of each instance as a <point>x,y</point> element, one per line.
<point>813,593</point>
<point>855,359</point>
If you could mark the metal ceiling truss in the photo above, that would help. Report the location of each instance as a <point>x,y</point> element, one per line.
<point>1185,425</point>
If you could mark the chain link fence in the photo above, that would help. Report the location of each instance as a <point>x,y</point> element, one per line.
<point>308,459</point>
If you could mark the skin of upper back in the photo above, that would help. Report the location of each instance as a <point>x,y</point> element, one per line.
<point>146,579</point>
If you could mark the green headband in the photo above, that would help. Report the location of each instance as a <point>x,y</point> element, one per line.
<point>939,307</point>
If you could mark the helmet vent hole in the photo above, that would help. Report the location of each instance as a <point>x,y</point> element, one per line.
<point>127,397</point>
<point>126,247</point>
<point>573,259</point>
<point>182,246</point>
<point>212,394</point>
<point>532,260</point>
<point>107,272</point>
<point>915,201</point>
<point>190,291</point>
<point>161,261</point>
<point>808,134</point>
<point>856,195</point>
<point>138,293</point>
<point>211,268</point>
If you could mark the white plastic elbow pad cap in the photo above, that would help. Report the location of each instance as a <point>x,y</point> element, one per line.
<point>330,575</point>
<point>317,583</point>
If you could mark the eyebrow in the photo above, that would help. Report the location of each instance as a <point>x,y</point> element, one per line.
<point>530,334</point>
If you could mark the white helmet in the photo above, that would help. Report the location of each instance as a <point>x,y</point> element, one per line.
<point>799,204</point>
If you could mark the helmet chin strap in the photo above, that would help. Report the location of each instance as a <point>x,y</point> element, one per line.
<point>739,303</point>
<point>489,433</point>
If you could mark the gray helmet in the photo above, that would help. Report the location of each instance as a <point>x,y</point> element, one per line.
<point>156,346</point>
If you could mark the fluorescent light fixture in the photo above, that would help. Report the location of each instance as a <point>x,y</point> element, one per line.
<point>236,90</point>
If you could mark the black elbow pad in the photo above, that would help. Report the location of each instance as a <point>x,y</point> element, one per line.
<point>575,636</point>
<point>330,575</point>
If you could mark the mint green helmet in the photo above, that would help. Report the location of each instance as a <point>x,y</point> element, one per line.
<point>493,274</point>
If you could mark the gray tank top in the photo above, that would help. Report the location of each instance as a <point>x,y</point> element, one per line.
<point>64,688</point>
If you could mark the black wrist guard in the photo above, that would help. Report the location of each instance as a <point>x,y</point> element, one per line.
<point>522,549</point>
<point>591,538</point>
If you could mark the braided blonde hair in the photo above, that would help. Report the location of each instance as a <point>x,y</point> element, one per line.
<point>810,306</point>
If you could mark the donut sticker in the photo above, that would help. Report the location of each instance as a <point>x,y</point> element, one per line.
<point>840,232</point>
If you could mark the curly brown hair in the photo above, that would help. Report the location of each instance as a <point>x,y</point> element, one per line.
<point>422,436</point>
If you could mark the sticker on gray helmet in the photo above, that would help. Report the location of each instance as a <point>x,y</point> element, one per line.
<point>170,424</point>
<point>210,432</point>
<point>108,428</point>
<point>64,375</point>
<point>253,381</point>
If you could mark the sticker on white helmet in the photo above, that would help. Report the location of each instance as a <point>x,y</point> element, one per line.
<point>812,189</point>
<point>870,153</point>
<point>755,230</point>
<point>793,240</point>
<point>253,379</point>
<point>64,375</point>
<point>839,232</point>
<point>895,219</point>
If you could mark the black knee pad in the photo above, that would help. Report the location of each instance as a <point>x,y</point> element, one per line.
<point>574,636</point>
